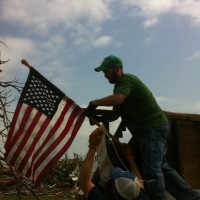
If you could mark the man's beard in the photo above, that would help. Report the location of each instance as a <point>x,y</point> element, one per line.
<point>114,78</point>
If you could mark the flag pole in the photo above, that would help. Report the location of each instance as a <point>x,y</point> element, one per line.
<point>25,62</point>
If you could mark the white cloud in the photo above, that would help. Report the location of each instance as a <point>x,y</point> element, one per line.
<point>195,107</point>
<point>166,101</point>
<point>190,8</point>
<point>194,56</point>
<point>178,105</point>
<point>102,41</point>
<point>150,22</point>
<point>61,24</point>
<point>18,48</point>
<point>43,56</point>
<point>153,9</point>
<point>43,16</point>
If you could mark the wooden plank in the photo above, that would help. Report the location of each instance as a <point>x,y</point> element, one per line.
<point>189,143</point>
<point>191,150</point>
<point>182,116</point>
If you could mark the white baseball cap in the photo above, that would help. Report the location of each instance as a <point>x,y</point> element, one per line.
<point>126,183</point>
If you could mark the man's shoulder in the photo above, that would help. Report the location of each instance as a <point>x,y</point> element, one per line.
<point>130,76</point>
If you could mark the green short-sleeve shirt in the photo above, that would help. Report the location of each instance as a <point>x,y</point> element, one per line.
<point>140,111</point>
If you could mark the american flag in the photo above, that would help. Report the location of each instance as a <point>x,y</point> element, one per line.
<point>43,127</point>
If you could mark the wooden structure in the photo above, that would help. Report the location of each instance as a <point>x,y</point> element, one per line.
<point>183,147</point>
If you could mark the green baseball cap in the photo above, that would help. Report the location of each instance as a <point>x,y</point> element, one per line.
<point>109,62</point>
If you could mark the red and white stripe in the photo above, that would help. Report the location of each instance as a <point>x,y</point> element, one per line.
<point>35,142</point>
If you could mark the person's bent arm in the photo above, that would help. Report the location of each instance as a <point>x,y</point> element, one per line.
<point>112,100</point>
<point>127,150</point>
<point>136,171</point>
<point>84,179</point>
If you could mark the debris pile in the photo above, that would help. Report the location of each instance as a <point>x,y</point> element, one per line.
<point>60,181</point>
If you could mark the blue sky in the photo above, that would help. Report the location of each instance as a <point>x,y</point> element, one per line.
<point>157,40</point>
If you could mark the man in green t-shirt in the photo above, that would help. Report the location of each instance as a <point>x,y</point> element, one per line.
<point>139,111</point>
<point>148,125</point>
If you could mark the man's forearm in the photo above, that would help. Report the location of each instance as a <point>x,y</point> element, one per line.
<point>84,179</point>
<point>111,100</point>
<point>135,170</point>
<point>86,169</point>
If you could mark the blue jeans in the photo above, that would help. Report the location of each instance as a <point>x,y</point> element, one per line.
<point>157,172</point>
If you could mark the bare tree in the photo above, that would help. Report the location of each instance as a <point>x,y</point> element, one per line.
<point>7,91</point>
<point>6,99</point>
<point>1,61</point>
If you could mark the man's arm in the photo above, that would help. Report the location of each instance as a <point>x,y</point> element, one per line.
<point>84,179</point>
<point>136,171</point>
<point>127,150</point>
<point>112,100</point>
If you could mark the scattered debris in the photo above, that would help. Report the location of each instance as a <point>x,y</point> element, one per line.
<point>60,181</point>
